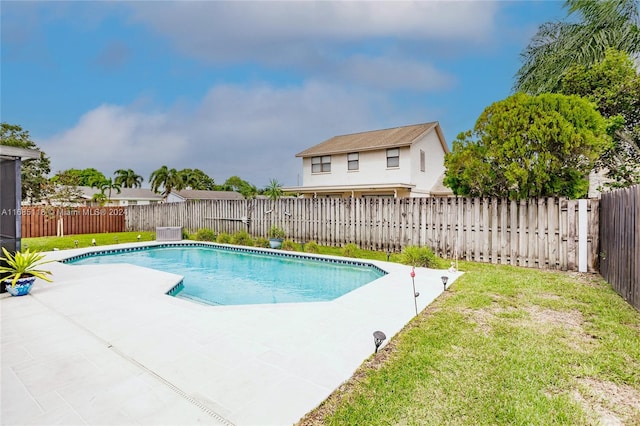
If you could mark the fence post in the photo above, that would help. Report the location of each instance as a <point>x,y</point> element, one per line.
<point>582,235</point>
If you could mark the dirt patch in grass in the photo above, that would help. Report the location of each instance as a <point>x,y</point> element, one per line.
<point>585,278</point>
<point>610,403</point>
<point>542,319</point>
<point>482,318</point>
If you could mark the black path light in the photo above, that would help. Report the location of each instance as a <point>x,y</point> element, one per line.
<point>76,243</point>
<point>415,293</point>
<point>444,279</point>
<point>378,338</point>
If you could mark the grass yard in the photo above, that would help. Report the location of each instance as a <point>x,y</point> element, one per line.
<point>504,345</point>
<point>84,240</point>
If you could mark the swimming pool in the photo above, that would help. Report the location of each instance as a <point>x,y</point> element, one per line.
<point>220,275</point>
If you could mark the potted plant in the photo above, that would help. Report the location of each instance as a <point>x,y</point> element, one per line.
<point>276,235</point>
<point>22,269</point>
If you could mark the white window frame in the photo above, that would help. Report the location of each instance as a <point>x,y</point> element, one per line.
<point>353,161</point>
<point>393,154</point>
<point>321,164</point>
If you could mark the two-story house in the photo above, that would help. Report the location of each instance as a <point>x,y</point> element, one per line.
<point>405,161</point>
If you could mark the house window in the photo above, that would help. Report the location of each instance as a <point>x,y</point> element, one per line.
<point>321,164</point>
<point>422,161</point>
<point>133,202</point>
<point>353,161</point>
<point>393,157</point>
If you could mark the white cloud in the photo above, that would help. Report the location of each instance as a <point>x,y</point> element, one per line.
<point>253,132</point>
<point>389,73</point>
<point>320,38</point>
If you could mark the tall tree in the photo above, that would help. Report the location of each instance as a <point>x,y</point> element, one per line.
<point>591,27</point>
<point>273,190</point>
<point>64,195</point>
<point>197,179</point>
<point>34,171</point>
<point>128,178</point>
<point>614,86</point>
<point>84,177</point>
<point>167,179</point>
<point>529,146</point>
<point>108,186</point>
<point>235,183</point>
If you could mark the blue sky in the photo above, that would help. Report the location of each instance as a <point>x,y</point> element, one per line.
<point>238,88</point>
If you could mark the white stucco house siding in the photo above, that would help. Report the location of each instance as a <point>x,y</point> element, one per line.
<point>420,164</point>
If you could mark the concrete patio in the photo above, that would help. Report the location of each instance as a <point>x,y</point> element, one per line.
<point>103,344</point>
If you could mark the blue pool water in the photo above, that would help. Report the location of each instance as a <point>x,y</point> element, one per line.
<point>219,276</point>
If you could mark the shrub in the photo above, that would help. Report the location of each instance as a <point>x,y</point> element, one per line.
<point>242,238</point>
<point>312,247</point>
<point>350,250</point>
<point>262,242</point>
<point>205,234</point>
<point>418,256</point>
<point>276,232</point>
<point>288,245</point>
<point>223,238</point>
<point>185,234</point>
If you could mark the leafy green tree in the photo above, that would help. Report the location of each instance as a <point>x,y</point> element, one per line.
<point>234,183</point>
<point>34,172</point>
<point>614,86</point>
<point>197,179</point>
<point>84,177</point>
<point>108,186</point>
<point>63,195</point>
<point>167,179</point>
<point>128,178</point>
<point>528,146</point>
<point>591,27</point>
<point>273,190</point>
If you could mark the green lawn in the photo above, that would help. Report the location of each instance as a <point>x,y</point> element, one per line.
<point>84,240</point>
<point>504,345</point>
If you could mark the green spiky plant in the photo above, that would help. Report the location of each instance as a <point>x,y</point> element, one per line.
<point>22,265</point>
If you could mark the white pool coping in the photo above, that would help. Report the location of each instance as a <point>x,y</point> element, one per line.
<point>104,344</point>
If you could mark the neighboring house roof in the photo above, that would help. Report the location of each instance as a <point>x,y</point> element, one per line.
<point>439,190</point>
<point>192,194</point>
<point>124,194</point>
<point>374,140</point>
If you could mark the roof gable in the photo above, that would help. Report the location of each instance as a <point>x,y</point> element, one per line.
<point>375,139</point>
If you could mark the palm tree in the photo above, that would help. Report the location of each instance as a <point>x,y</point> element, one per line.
<point>273,190</point>
<point>109,185</point>
<point>168,179</point>
<point>128,178</point>
<point>559,45</point>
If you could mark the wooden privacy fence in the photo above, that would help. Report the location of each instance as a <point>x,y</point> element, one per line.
<point>540,233</point>
<point>49,221</point>
<point>620,242</point>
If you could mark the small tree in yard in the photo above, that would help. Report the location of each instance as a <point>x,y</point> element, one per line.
<point>528,146</point>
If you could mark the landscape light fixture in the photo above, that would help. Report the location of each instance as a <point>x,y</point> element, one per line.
<point>93,241</point>
<point>116,238</point>
<point>138,237</point>
<point>444,281</point>
<point>415,293</point>
<point>388,254</point>
<point>76,243</point>
<point>378,338</point>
